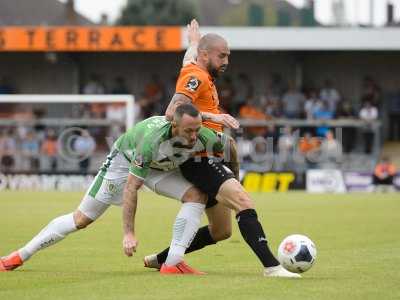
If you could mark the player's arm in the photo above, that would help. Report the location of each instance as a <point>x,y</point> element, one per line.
<point>177,99</point>
<point>129,205</point>
<point>233,160</point>
<point>227,144</point>
<point>225,119</point>
<point>194,38</point>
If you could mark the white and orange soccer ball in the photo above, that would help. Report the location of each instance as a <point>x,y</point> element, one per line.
<point>297,253</point>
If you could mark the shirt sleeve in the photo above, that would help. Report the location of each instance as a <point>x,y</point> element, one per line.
<point>141,162</point>
<point>190,85</point>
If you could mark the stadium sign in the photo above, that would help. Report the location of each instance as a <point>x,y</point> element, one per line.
<point>268,182</point>
<point>64,183</point>
<point>325,181</point>
<point>99,38</point>
<point>363,181</point>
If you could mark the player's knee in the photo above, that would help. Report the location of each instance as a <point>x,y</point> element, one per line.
<point>81,221</point>
<point>241,198</point>
<point>244,201</point>
<point>194,195</point>
<point>221,234</point>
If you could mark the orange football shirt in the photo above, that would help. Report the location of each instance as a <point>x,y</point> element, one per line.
<point>198,85</point>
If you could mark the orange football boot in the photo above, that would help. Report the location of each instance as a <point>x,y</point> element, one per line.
<point>11,262</point>
<point>180,269</point>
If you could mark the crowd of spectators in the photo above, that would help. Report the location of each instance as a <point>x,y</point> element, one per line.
<point>281,101</point>
<point>36,149</point>
<point>238,97</point>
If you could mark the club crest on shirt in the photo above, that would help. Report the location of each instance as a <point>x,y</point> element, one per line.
<point>193,84</point>
<point>111,187</point>
<point>138,161</point>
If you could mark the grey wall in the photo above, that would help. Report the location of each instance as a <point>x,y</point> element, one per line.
<point>33,73</point>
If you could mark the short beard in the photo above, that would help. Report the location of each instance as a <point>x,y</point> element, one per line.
<point>213,72</point>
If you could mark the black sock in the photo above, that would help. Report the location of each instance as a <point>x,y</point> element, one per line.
<point>202,238</point>
<point>253,234</point>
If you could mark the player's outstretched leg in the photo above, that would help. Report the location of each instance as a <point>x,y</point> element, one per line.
<point>219,228</point>
<point>234,196</point>
<point>185,228</point>
<point>89,210</point>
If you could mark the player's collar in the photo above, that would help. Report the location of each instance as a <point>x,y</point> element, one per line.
<point>208,73</point>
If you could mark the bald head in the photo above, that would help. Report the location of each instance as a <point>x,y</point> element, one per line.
<point>213,54</point>
<point>210,41</point>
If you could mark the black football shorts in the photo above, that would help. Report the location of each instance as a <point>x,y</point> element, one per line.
<point>207,174</point>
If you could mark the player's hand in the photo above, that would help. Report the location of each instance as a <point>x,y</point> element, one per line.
<point>193,32</point>
<point>129,244</point>
<point>227,120</point>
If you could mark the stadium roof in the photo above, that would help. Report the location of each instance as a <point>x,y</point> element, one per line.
<point>307,38</point>
<point>40,12</point>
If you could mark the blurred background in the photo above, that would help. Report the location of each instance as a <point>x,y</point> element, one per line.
<point>315,84</point>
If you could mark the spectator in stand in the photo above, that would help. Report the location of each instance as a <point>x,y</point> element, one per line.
<point>84,145</point>
<point>286,143</point>
<point>309,148</point>
<point>292,102</point>
<point>384,174</point>
<point>154,91</point>
<point>371,92</point>
<point>252,112</point>
<point>226,95</point>
<point>244,147</point>
<point>345,111</point>
<point>119,87</point>
<point>278,86</point>
<point>312,104</point>
<point>30,150</point>
<point>330,95</point>
<point>244,92</point>
<point>49,150</point>
<point>140,108</point>
<point>5,86</point>
<point>323,113</point>
<point>95,87</point>
<point>8,150</point>
<point>270,100</point>
<point>116,112</point>
<point>272,108</point>
<point>369,114</point>
<point>331,150</point>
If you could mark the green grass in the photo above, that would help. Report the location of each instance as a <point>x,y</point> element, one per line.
<point>357,238</point>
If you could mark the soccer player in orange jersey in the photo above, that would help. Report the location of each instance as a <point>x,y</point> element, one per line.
<point>205,60</point>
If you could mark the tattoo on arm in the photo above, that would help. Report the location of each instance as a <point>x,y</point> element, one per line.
<point>129,205</point>
<point>177,99</point>
<point>233,162</point>
<point>190,55</point>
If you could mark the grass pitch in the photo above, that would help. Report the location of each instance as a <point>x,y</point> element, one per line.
<point>357,238</point>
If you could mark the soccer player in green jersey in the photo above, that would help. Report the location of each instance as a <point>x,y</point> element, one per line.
<point>148,154</point>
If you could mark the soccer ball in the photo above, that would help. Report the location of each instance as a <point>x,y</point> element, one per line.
<point>297,253</point>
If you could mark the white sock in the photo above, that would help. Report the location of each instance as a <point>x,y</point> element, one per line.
<point>54,232</point>
<point>187,223</point>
